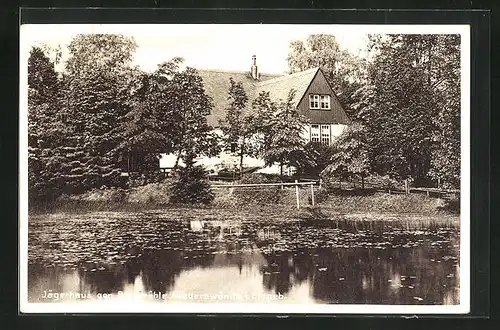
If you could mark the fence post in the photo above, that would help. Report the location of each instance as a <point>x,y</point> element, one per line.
<point>312,194</point>
<point>297,193</point>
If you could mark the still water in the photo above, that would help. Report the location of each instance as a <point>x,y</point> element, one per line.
<point>194,256</point>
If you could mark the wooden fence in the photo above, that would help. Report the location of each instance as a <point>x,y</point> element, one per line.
<point>296,184</point>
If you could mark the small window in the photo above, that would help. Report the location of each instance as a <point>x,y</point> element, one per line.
<point>325,134</point>
<point>324,101</point>
<point>314,101</point>
<point>315,133</point>
<point>317,101</point>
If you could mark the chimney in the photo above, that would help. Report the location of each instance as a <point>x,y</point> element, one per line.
<point>254,72</point>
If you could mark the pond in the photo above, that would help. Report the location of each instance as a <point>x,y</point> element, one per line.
<point>209,256</point>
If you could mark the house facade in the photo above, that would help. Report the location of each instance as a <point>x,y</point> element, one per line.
<point>314,98</point>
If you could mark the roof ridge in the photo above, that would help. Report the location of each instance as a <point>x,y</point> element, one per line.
<point>237,71</point>
<point>293,75</point>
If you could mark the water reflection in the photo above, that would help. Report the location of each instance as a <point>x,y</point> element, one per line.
<point>249,261</point>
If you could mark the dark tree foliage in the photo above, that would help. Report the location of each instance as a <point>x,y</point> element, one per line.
<point>280,126</point>
<point>47,132</point>
<point>398,108</point>
<point>97,93</point>
<point>351,156</point>
<point>238,127</point>
<point>316,157</point>
<point>190,184</point>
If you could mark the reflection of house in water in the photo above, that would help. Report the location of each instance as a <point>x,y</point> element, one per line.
<point>223,227</point>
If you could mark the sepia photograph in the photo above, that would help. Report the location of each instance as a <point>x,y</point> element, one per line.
<point>244,168</point>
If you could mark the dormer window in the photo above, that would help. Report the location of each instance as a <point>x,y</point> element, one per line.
<point>320,102</point>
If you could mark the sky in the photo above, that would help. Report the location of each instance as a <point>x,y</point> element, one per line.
<point>216,46</point>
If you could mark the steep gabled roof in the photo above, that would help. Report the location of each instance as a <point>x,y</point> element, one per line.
<point>279,88</point>
<point>216,83</point>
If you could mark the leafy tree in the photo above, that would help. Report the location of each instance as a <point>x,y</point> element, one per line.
<point>281,128</point>
<point>445,79</point>
<point>146,129</point>
<point>238,128</point>
<point>351,156</point>
<point>410,106</point>
<point>168,115</point>
<point>188,107</point>
<point>398,110</point>
<point>345,72</point>
<point>316,157</point>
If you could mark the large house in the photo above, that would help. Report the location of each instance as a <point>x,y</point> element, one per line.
<point>314,98</point>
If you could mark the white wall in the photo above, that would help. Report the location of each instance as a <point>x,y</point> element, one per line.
<point>337,129</point>
<point>228,160</point>
<point>306,133</point>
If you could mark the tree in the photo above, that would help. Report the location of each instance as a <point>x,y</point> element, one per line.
<point>398,106</point>
<point>237,127</point>
<point>47,133</point>
<point>98,85</point>
<point>315,158</point>
<point>351,156</point>
<point>281,128</point>
<point>191,106</point>
<point>147,129</point>
<point>445,162</point>
<point>345,72</point>
<point>190,185</point>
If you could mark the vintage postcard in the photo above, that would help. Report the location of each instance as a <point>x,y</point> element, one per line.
<point>244,168</point>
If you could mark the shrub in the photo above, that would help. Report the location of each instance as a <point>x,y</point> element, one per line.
<point>153,193</point>
<point>104,195</point>
<point>383,182</point>
<point>191,186</point>
<point>321,195</point>
<point>224,198</point>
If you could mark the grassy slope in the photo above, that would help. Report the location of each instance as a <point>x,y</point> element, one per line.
<point>417,208</point>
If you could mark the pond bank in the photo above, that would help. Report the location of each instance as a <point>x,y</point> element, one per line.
<point>378,205</point>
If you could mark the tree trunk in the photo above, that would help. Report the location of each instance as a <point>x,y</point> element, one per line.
<point>362,182</point>
<point>242,151</point>
<point>281,175</point>
<point>128,164</point>
<point>177,159</point>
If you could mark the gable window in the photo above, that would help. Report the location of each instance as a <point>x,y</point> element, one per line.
<point>317,101</point>
<point>314,101</point>
<point>324,101</point>
<point>315,133</point>
<point>325,134</point>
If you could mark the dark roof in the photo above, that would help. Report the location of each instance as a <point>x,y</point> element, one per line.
<point>279,88</point>
<point>216,83</point>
